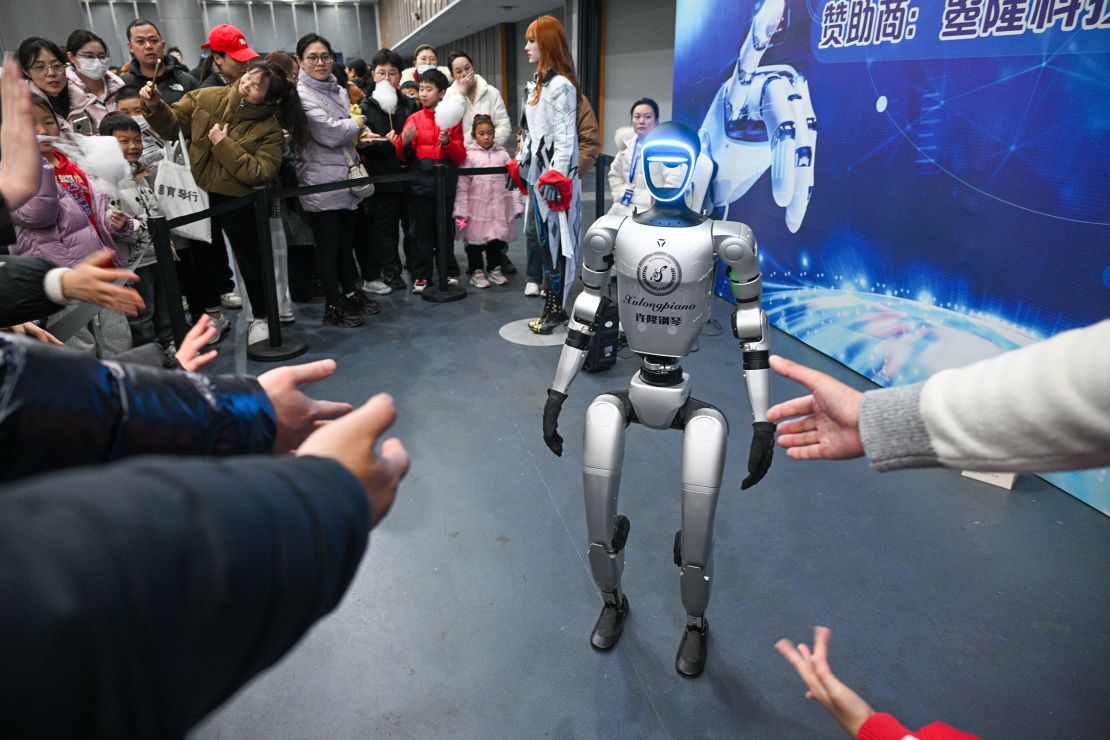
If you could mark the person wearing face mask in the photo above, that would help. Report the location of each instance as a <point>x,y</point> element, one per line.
<point>92,87</point>
<point>44,66</point>
<point>229,58</point>
<point>423,59</point>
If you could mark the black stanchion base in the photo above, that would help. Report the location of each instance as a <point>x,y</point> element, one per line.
<point>435,295</point>
<point>289,348</point>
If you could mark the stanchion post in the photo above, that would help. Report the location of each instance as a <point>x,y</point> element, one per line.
<point>276,348</point>
<point>442,292</point>
<point>600,181</point>
<point>167,276</point>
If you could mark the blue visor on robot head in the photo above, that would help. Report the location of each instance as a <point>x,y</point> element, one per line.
<point>668,154</point>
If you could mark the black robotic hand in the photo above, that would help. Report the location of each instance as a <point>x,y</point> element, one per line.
<point>551,411</point>
<point>759,458</point>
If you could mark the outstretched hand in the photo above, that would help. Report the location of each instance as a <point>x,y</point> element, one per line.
<point>845,705</point>
<point>93,281</point>
<point>297,414</point>
<point>351,441</point>
<point>829,425</point>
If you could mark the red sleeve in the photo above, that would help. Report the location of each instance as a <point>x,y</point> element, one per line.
<point>455,149</point>
<point>883,726</point>
<point>398,144</point>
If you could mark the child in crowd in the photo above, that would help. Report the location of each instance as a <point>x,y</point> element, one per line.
<point>137,199</point>
<point>411,90</point>
<point>423,144</point>
<point>484,209</point>
<point>128,103</point>
<point>68,219</point>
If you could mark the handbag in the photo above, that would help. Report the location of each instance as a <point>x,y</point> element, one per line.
<point>179,195</point>
<point>355,168</point>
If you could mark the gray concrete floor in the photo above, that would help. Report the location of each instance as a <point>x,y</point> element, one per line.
<point>948,598</point>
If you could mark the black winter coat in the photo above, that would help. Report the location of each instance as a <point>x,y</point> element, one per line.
<point>22,296</point>
<point>173,83</point>
<point>381,156</point>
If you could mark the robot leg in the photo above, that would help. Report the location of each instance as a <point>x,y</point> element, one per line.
<point>602,457</point>
<point>703,463</point>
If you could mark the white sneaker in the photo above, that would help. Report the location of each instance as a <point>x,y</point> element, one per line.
<point>478,279</point>
<point>377,287</point>
<point>258,331</point>
<point>286,317</point>
<point>231,300</point>
<point>497,277</point>
<point>223,326</point>
<point>531,289</point>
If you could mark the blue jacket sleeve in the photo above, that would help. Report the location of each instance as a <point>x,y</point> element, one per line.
<point>137,597</point>
<point>60,409</point>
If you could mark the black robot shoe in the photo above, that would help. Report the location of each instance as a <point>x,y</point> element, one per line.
<point>609,625</point>
<point>690,661</point>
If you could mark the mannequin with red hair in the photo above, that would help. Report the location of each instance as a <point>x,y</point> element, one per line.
<point>548,163</point>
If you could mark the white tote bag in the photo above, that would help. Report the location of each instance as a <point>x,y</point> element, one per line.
<point>179,195</point>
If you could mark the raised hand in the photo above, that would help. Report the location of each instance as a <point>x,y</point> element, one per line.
<point>297,414</point>
<point>21,166</point>
<point>191,355</point>
<point>845,705</point>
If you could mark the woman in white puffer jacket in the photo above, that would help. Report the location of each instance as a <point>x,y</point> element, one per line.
<point>478,97</point>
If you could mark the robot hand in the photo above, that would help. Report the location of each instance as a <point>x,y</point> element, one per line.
<point>759,458</point>
<point>551,411</point>
<point>762,117</point>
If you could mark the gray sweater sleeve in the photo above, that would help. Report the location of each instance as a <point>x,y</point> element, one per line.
<point>893,430</point>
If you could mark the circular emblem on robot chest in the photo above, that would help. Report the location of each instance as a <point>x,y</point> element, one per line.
<point>659,273</point>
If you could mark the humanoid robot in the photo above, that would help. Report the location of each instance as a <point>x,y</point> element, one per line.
<point>664,260</point>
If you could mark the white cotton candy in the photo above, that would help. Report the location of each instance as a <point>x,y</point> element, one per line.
<point>386,96</point>
<point>100,157</point>
<point>448,113</point>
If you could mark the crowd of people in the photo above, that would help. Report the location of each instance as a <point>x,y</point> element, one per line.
<point>246,120</point>
<point>242,120</point>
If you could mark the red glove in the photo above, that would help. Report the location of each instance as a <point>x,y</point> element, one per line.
<point>562,186</point>
<point>514,177</point>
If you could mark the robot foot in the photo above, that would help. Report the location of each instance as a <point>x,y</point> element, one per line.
<point>609,625</point>
<point>690,661</point>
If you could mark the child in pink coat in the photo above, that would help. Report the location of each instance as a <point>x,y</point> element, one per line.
<point>484,209</point>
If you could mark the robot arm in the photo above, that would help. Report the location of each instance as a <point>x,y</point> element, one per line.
<point>735,244</point>
<point>597,258</point>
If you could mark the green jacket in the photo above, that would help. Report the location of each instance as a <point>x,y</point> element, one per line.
<point>248,157</point>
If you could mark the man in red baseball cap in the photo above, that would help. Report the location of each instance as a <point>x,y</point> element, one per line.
<point>230,54</point>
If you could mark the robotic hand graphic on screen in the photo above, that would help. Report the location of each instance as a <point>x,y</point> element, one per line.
<point>762,117</point>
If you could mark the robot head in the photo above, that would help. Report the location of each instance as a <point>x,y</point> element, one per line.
<point>669,154</point>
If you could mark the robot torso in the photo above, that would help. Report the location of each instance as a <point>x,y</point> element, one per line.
<point>664,285</point>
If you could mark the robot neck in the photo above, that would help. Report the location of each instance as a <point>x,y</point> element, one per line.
<point>669,215</point>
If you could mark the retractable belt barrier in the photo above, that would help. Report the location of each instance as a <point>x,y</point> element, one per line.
<point>277,347</point>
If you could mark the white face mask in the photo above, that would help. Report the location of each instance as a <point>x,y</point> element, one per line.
<point>94,69</point>
<point>422,68</point>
